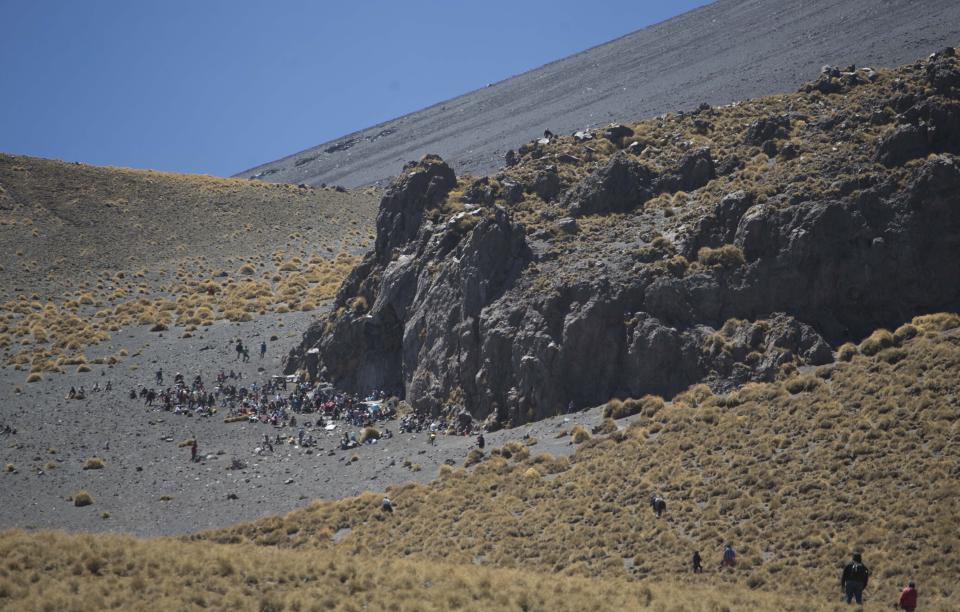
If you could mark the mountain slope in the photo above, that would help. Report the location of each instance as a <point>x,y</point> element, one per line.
<point>725,245</point>
<point>726,51</point>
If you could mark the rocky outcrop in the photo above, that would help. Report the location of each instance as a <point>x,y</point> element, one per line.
<point>597,296</point>
<point>617,187</point>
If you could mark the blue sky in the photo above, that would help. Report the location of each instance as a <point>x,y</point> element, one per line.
<point>217,86</point>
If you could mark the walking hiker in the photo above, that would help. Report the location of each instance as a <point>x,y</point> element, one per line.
<point>658,504</point>
<point>263,349</point>
<point>481,442</point>
<point>193,450</point>
<point>246,354</point>
<point>854,579</point>
<point>908,597</point>
<point>239,349</point>
<point>729,556</point>
<point>697,563</point>
<point>160,376</point>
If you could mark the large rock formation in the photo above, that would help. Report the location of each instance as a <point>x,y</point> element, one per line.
<point>741,279</point>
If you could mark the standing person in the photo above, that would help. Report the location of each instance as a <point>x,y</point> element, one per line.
<point>697,563</point>
<point>658,504</point>
<point>193,450</point>
<point>263,349</point>
<point>239,349</point>
<point>160,376</point>
<point>908,598</point>
<point>729,556</point>
<point>854,579</point>
<point>246,354</point>
<point>480,441</point>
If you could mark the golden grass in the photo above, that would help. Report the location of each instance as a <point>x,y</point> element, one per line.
<point>859,456</point>
<point>94,463</point>
<point>57,571</point>
<point>82,498</point>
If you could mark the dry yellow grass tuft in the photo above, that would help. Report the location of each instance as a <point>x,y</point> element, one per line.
<point>796,474</point>
<point>94,463</point>
<point>57,571</point>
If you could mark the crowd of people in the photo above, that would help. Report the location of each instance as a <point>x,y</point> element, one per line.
<point>314,409</point>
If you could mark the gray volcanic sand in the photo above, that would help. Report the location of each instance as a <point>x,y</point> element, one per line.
<point>726,51</point>
<point>128,435</point>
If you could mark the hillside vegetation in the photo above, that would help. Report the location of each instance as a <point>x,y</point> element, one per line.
<point>92,250</point>
<point>857,455</point>
<point>721,245</point>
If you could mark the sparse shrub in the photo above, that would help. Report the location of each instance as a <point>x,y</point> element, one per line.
<point>905,332</point>
<point>847,351</point>
<point>579,434</point>
<point>474,457</point>
<point>726,256</point>
<point>940,322</point>
<point>606,426</point>
<point>9,468</point>
<point>34,377</point>
<point>359,304</point>
<point>531,473</point>
<point>82,498</point>
<point>648,405</point>
<point>94,463</point>
<point>876,342</point>
<point>800,384</point>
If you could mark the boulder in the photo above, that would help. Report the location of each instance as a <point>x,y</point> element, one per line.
<point>615,133</point>
<point>619,186</point>
<point>903,144</point>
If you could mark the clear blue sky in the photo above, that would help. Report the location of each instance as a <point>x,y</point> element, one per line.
<point>217,86</point>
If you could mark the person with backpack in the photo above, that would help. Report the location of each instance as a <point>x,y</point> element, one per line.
<point>697,563</point>
<point>854,579</point>
<point>480,441</point>
<point>729,556</point>
<point>908,597</point>
<point>263,349</point>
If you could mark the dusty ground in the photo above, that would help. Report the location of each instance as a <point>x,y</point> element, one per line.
<point>129,436</point>
<point>728,50</point>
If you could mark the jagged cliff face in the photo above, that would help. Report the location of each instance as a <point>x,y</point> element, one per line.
<point>724,246</point>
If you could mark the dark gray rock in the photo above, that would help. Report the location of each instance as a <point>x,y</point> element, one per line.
<point>762,130</point>
<point>456,309</point>
<point>905,143</point>
<point>615,133</point>
<point>619,186</point>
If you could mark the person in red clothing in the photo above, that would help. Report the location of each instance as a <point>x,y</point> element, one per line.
<point>908,598</point>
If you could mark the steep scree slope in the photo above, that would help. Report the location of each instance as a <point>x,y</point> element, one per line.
<point>728,50</point>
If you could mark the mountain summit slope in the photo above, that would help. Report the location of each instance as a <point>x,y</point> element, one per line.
<point>726,245</point>
<point>726,51</point>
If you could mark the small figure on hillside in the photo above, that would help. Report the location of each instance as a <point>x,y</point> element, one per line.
<point>109,386</point>
<point>246,354</point>
<point>160,376</point>
<point>697,563</point>
<point>266,442</point>
<point>480,441</point>
<point>300,434</point>
<point>193,450</point>
<point>239,349</point>
<point>263,349</point>
<point>658,504</point>
<point>854,579</point>
<point>729,556</point>
<point>433,438</point>
<point>908,597</point>
<point>72,394</point>
<point>387,505</point>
